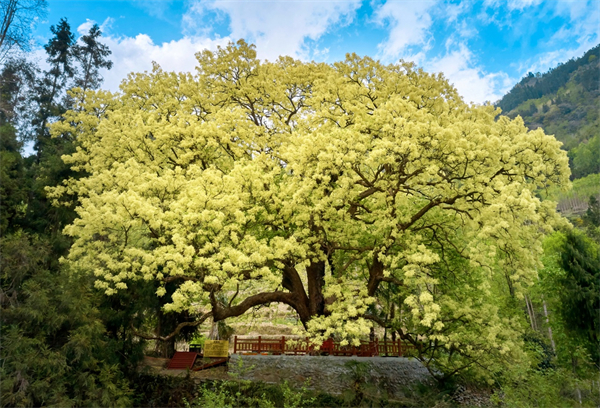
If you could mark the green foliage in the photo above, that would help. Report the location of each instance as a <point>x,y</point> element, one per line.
<point>92,56</point>
<point>217,396</point>
<point>437,395</point>
<point>562,344</point>
<point>55,350</point>
<point>53,347</point>
<point>13,197</point>
<point>550,382</point>
<point>586,186</point>
<point>198,340</point>
<point>591,219</point>
<point>360,391</point>
<point>162,391</point>
<point>244,393</point>
<point>13,170</point>
<point>119,315</point>
<point>241,393</point>
<point>545,389</point>
<point>585,157</point>
<point>592,215</point>
<point>580,294</point>
<point>48,89</point>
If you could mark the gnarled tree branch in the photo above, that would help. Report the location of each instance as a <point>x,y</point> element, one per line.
<point>174,332</point>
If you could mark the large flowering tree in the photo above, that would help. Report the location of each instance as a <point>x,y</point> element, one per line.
<point>315,186</point>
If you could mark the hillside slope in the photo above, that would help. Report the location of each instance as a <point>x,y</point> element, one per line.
<point>565,102</point>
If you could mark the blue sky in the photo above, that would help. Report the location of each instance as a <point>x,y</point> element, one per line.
<point>483,47</point>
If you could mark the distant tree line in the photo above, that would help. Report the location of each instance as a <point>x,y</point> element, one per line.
<point>535,86</point>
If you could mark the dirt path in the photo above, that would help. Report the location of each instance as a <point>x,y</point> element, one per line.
<point>158,366</point>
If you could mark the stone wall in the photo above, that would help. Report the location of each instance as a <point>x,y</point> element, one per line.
<point>334,375</point>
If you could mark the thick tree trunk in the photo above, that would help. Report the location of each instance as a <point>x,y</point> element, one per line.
<point>164,347</point>
<point>316,280</point>
<point>305,305</point>
<point>375,276</point>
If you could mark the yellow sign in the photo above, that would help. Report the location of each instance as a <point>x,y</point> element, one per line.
<point>216,348</point>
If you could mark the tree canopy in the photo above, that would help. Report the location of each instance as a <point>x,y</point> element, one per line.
<point>17,18</point>
<point>316,186</point>
<point>55,346</point>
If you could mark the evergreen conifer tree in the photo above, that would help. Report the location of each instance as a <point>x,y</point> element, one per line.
<point>92,55</point>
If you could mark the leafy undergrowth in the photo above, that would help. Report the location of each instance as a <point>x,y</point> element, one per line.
<point>545,389</point>
<point>165,391</point>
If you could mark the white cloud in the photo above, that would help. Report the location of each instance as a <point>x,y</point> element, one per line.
<point>135,54</point>
<point>466,30</point>
<point>585,21</point>
<point>276,27</point>
<point>85,27</point>
<point>507,13</point>
<point>156,8</point>
<point>512,4</point>
<point>453,11</point>
<point>551,59</point>
<point>577,9</point>
<point>472,82</point>
<point>409,23</point>
<point>106,25</point>
<point>522,4</point>
<point>576,38</point>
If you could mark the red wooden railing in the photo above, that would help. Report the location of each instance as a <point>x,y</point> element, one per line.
<point>375,348</point>
<point>274,346</point>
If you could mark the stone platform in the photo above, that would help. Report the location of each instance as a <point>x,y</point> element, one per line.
<point>334,375</point>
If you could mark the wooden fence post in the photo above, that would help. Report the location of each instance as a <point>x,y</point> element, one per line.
<point>234,344</point>
<point>259,348</point>
<point>283,345</point>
